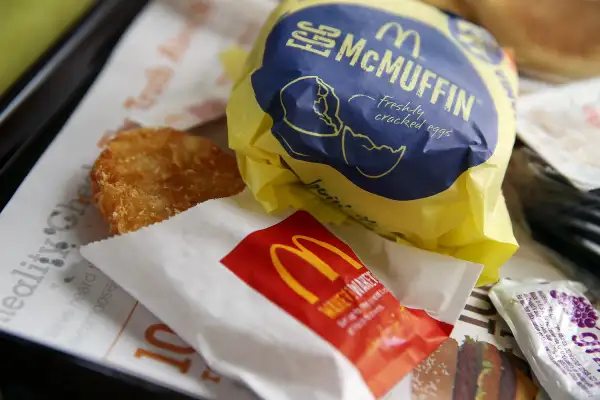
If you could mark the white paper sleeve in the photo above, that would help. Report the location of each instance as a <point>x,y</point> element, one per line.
<point>175,269</point>
<point>562,124</point>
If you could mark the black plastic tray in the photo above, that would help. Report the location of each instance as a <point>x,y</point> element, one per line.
<point>32,112</point>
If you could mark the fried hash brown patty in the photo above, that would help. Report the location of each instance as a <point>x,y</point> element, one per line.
<point>148,175</point>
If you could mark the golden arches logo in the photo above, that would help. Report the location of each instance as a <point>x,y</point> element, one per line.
<point>401,37</point>
<point>311,258</point>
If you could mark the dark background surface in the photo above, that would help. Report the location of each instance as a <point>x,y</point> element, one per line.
<point>32,112</point>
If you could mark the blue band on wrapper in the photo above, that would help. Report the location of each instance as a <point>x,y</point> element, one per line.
<point>389,102</point>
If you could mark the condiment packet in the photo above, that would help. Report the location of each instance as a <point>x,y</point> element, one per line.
<point>556,327</point>
<point>286,305</point>
<point>562,125</point>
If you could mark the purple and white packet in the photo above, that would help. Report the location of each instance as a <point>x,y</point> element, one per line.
<point>557,329</point>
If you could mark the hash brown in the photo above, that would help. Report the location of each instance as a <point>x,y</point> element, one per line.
<point>147,175</point>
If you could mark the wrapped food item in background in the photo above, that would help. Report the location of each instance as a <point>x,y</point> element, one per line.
<point>553,40</point>
<point>395,114</point>
<point>562,124</point>
<point>545,44</point>
<point>556,327</point>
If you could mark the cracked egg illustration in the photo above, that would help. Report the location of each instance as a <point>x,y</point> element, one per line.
<point>322,119</point>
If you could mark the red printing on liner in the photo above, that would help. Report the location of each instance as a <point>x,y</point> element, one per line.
<point>315,277</point>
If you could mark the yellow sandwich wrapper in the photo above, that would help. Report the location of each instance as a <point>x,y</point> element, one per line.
<point>395,114</point>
